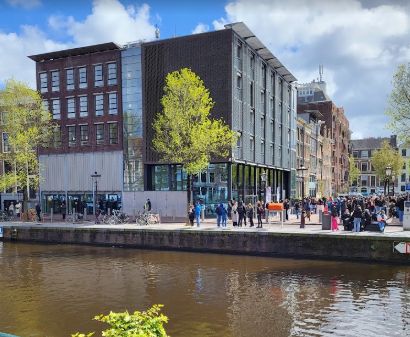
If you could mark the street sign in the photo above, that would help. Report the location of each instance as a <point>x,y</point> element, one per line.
<point>1,232</point>
<point>402,247</point>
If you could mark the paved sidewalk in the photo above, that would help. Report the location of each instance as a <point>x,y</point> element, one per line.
<point>292,226</point>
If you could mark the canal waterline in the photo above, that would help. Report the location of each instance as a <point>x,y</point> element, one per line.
<point>54,290</point>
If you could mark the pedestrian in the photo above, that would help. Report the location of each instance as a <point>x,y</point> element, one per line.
<point>260,211</point>
<point>218,212</point>
<point>191,214</point>
<point>224,216</point>
<point>297,206</point>
<point>334,216</point>
<point>241,214</point>
<point>63,209</point>
<point>235,215</point>
<point>357,218</point>
<point>198,214</point>
<point>38,211</point>
<point>249,213</point>
<point>11,209</point>
<point>18,209</point>
<point>147,206</point>
<point>286,206</point>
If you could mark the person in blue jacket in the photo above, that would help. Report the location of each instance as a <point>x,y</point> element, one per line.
<point>198,214</point>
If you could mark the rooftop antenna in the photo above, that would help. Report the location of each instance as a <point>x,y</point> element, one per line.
<point>157,32</point>
<point>321,72</point>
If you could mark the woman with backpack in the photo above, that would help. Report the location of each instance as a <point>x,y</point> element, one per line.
<point>249,213</point>
<point>259,212</point>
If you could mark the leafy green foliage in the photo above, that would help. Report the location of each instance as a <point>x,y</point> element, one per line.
<point>354,172</point>
<point>399,103</point>
<point>387,156</point>
<point>184,133</point>
<point>148,323</point>
<point>28,126</point>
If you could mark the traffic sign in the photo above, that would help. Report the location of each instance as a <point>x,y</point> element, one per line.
<point>408,187</point>
<point>402,247</point>
<point>1,232</point>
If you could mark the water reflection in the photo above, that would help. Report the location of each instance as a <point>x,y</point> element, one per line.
<point>52,290</point>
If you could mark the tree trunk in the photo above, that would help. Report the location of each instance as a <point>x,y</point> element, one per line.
<point>189,188</point>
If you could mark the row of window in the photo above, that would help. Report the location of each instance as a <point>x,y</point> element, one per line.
<point>83,106</point>
<point>80,134</point>
<point>77,77</point>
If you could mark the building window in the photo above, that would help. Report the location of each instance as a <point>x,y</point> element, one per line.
<point>83,106</point>
<point>251,95</point>
<point>55,80</point>
<point>252,144</point>
<point>84,134</point>
<point>99,105</point>
<point>403,152</point>
<point>403,178</point>
<point>364,167</point>
<point>263,151</point>
<point>82,77</point>
<point>70,107</point>
<point>112,74</point>
<point>6,145</point>
<point>364,154</point>
<point>72,140</point>
<point>98,75</point>
<point>43,82</point>
<point>112,103</point>
<point>56,109</point>
<point>70,79</point>
<point>99,133</point>
<point>113,133</point>
<point>57,137</point>
<point>46,105</point>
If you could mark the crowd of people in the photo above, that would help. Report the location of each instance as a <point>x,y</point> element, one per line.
<point>355,213</point>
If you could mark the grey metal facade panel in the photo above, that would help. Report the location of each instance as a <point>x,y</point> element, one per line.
<point>72,171</point>
<point>209,55</point>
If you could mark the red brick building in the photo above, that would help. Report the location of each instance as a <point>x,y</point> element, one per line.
<point>338,125</point>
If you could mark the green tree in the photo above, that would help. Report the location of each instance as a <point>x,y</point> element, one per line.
<point>399,103</point>
<point>387,156</point>
<point>28,126</point>
<point>184,133</point>
<point>354,172</point>
<point>148,323</point>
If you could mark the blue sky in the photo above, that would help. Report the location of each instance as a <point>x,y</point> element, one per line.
<point>359,42</point>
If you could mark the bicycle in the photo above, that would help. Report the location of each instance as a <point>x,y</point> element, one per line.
<point>116,218</point>
<point>147,218</point>
<point>74,217</point>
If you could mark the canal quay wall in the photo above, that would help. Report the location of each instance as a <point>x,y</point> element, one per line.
<point>312,244</point>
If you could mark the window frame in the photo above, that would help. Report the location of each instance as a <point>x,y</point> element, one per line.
<point>70,80</point>
<point>71,113</point>
<point>97,105</point>
<point>56,116</point>
<point>55,80</point>
<point>85,140</point>
<point>99,141</point>
<point>112,140</point>
<point>110,79</point>
<point>82,75</point>
<point>43,88</point>
<point>98,75</point>
<point>112,111</point>
<point>81,100</point>
<point>72,143</point>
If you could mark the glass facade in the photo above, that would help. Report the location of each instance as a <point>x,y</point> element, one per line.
<point>132,118</point>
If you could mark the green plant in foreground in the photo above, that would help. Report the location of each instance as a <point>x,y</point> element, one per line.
<point>139,324</point>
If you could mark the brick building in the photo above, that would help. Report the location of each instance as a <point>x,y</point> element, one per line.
<point>82,89</point>
<point>337,125</point>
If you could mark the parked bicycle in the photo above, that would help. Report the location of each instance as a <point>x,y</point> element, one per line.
<point>4,216</point>
<point>74,218</point>
<point>116,218</point>
<point>147,218</point>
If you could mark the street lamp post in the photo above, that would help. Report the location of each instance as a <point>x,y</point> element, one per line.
<point>388,172</point>
<point>302,170</point>
<point>95,177</point>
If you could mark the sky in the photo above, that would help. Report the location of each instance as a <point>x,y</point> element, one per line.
<point>359,42</point>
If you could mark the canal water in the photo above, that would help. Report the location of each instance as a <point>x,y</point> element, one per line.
<point>55,290</point>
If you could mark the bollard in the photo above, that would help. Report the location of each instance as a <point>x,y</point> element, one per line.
<point>51,214</point>
<point>85,214</point>
<point>320,215</point>
<point>302,219</point>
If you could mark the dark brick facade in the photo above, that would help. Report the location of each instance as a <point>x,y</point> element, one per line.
<point>209,55</point>
<point>338,127</point>
<point>87,57</point>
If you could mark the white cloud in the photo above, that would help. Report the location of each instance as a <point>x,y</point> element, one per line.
<point>358,43</point>
<point>108,21</point>
<point>200,28</point>
<point>26,4</point>
<point>30,41</point>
